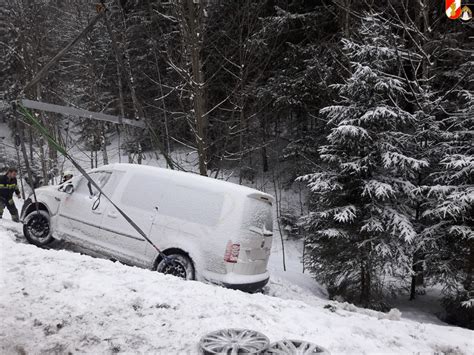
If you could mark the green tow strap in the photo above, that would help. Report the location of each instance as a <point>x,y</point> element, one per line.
<point>25,112</point>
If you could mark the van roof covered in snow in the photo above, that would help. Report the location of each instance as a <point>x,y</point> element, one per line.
<point>188,178</point>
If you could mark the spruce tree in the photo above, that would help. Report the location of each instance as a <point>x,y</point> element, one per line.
<point>360,227</point>
<point>449,239</point>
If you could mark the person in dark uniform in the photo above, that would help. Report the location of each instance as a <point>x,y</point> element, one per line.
<point>8,186</point>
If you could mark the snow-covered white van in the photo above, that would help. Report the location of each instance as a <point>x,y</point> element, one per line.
<point>215,230</point>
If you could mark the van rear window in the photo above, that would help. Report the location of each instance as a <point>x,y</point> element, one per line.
<point>178,201</point>
<point>258,213</point>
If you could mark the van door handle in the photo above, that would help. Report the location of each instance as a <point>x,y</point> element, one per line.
<point>112,214</point>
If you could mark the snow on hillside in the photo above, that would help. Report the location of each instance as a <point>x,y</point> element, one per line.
<point>57,301</point>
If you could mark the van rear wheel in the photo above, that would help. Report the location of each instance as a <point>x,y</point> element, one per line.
<point>177,265</point>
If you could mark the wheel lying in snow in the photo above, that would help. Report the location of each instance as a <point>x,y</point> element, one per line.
<point>296,347</point>
<point>177,265</point>
<point>233,342</point>
<point>37,229</point>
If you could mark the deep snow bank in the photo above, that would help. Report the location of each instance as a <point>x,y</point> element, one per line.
<point>56,301</point>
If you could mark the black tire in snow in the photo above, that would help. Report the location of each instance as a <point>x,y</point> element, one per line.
<point>178,265</point>
<point>37,228</point>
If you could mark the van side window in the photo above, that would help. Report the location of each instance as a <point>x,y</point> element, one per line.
<point>182,202</point>
<point>100,177</point>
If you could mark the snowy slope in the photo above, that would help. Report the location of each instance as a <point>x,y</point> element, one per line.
<point>56,301</point>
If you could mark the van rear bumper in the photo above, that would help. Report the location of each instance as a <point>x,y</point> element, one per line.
<point>246,283</point>
<point>251,287</point>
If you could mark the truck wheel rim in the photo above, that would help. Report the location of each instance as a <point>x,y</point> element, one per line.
<point>296,347</point>
<point>38,226</point>
<point>233,341</point>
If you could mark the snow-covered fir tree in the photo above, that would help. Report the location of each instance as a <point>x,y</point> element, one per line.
<point>449,238</point>
<point>427,133</point>
<point>361,225</point>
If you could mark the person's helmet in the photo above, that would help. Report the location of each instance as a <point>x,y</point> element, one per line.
<point>67,174</point>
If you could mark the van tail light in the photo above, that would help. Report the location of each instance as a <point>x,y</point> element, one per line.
<point>231,252</point>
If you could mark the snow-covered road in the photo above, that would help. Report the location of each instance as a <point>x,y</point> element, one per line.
<point>57,301</point>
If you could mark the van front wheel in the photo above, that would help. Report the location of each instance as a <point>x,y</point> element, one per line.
<point>37,228</point>
<point>177,265</point>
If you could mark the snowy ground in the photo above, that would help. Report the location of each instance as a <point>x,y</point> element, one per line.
<point>58,301</point>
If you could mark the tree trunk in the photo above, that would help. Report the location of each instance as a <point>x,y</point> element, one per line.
<point>105,157</point>
<point>30,142</point>
<point>347,15</point>
<point>277,188</point>
<point>20,170</point>
<point>264,142</point>
<point>44,167</point>
<point>365,284</point>
<point>417,278</point>
<point>140,156</point>
<point>469,268</point>
<point>241,143</point>
<point>199,100</point>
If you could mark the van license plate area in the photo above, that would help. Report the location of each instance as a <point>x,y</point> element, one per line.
<point>257,254</point>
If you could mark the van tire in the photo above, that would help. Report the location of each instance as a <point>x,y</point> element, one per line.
<point>181,266</point>
<point>37,228</point>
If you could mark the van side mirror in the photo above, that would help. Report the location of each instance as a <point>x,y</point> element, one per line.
<point>69,189</point>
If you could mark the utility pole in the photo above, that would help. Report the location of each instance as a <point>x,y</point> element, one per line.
<point>62,52</point>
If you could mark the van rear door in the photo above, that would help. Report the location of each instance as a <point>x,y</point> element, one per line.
<point>256,237</point>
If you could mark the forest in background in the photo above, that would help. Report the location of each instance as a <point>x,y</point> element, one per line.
<point>368,104</point>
